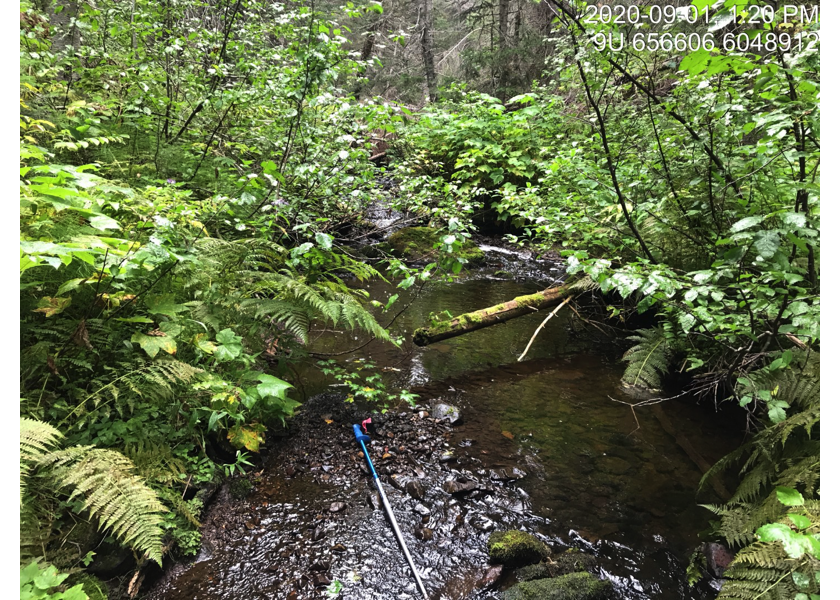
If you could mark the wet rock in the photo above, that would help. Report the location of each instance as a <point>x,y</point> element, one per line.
<point>414,489</point>
<point>575,586</point>
<point>422,510</point>
<point>459,486</point>
<point>447,412</point>
<point>718,558</point>
<point>482,523</point>
<point>320,566</point>
<point>317,534</point>
<point>491,577</point>
<point>571,561</point>
<point>337,507</point>
<point>506,474</point>
<point>613,465</point>
<point>447,456</point>
<point>375,501</point>
<point>398,481</point>
<point>111,560</point>
<point>516,548</point>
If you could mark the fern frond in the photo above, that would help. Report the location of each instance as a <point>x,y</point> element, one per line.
<point>120,500</point>
<point>36,438</point>
<point>648,360</point>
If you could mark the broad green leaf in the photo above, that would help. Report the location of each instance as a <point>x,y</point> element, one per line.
<point>801,521</point>
<point>789,496</point>
<point>164,305</point>
<point>272,386</point>
<point>687,321</point>
<point>134,319</point>
<point>324,240</point>
<point>767,243</point>
<point>103,222</point>
<point>152,344</point>
<point>746,223</point>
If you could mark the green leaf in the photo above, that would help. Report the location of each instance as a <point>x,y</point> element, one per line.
<point>801,521</point>
<point>134,320</point>
<point>686,321</point>
<point>230,345</point>
<point>767,243</point>
<point>164,305</point>
<point>789,496</point>
<point>152,344</point>
<point>70,285</point>
<point>272,386</point>
<point>324,240</point>
<point>103,222</point>
<point>746,223</point>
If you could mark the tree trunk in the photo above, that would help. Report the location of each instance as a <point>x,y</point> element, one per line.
<point>426,48</point>
<point>523,305</point>
<point>504,10</point>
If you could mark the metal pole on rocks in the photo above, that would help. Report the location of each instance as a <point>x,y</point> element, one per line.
<point>362,438</point>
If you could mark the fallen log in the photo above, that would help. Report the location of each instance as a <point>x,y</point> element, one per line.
<point>479,319</point>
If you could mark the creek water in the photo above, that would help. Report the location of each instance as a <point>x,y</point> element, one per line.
<point>600,477</point>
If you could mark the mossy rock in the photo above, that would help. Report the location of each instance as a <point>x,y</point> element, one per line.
<point>571,561</point>
<point>575,586</point>
<point>94,587</point>
<point>516,548</point>
<point>418,243</point>
<point>240,487</point>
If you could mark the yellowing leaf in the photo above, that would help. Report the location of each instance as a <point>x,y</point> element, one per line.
<point>507,434</point>
<point>52,306</point>
<point>249,437</point>
<point>152,344</point>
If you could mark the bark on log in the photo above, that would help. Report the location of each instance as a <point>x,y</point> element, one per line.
<point>523,305</point>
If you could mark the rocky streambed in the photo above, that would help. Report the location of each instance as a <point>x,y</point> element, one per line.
<point>310,516</point>
<point>548,447</point>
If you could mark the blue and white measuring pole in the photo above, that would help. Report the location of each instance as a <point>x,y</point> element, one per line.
<point>362,438</point>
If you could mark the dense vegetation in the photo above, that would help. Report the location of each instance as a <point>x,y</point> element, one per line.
<point>193,174</point>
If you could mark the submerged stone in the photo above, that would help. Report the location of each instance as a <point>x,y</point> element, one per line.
<point>447,412</point>
<point>516,548</point>
<point>575,586</point>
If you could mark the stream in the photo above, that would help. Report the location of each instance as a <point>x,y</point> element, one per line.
<point>549,445</point>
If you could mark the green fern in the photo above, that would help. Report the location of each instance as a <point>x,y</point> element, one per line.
<point>782,454</point>
<point>254,279</point>
<point>648,360</point>
<point>120,500</point>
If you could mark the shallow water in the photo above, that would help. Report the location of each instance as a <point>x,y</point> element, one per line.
<point>600,477</point>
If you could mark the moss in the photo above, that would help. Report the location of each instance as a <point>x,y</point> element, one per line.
<point>94,587</point>
<point>241,487</point>
<point>529,300</point>
<point>575,586</point>
<point>516,548</point>
<point>571,561</point>
<point>418,243</point>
